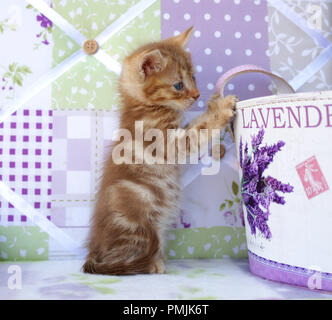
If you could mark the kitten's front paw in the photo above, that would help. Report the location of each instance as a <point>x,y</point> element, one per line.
<point>229,102</point>
<point>223,108</point>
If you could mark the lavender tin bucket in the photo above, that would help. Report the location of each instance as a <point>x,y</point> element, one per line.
<point>284,154</point>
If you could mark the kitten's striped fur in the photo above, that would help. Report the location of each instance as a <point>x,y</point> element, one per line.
<point>137,203</point>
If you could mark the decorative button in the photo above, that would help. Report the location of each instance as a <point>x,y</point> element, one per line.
<point>90,46</point>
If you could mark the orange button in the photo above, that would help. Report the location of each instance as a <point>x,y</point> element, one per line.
<point>90,46</point>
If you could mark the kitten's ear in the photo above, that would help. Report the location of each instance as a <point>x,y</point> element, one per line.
<point>151,62</point>
<point>183,38</point>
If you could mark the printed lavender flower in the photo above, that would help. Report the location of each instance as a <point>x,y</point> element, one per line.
<point>46,31</point>
<point>185,224</point>
<point>257,140</point>
<point>279,186</point>
<point>258,192</point>
<point>44,21</point>
<point>182,222</point>
<point>230,218</point>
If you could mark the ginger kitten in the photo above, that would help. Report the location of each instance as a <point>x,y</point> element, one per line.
<point>137,203</point>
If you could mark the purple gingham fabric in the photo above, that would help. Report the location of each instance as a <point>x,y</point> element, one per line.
<point>25,165</point>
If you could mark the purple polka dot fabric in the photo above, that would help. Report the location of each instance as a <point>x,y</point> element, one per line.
<point>227,33</point>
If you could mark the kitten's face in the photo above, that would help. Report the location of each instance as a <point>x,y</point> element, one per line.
<point>161,74</point>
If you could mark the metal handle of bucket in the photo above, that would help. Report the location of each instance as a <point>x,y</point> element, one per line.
<point>282,85</point>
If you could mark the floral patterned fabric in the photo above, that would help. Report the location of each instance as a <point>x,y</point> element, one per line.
<point>291,49</point>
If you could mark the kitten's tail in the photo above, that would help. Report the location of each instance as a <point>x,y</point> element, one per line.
<point>118,262</point>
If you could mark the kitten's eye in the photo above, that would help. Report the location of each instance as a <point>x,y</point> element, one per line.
<point>178,86</point>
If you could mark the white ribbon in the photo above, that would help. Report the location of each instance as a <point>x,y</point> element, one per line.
<point>108,61</point>
<point>302,77</point>
<point>25,208</point>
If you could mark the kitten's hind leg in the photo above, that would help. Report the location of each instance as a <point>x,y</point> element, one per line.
<point>158,266</point>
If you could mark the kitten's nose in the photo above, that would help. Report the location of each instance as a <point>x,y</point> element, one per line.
<point>195,94</point>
